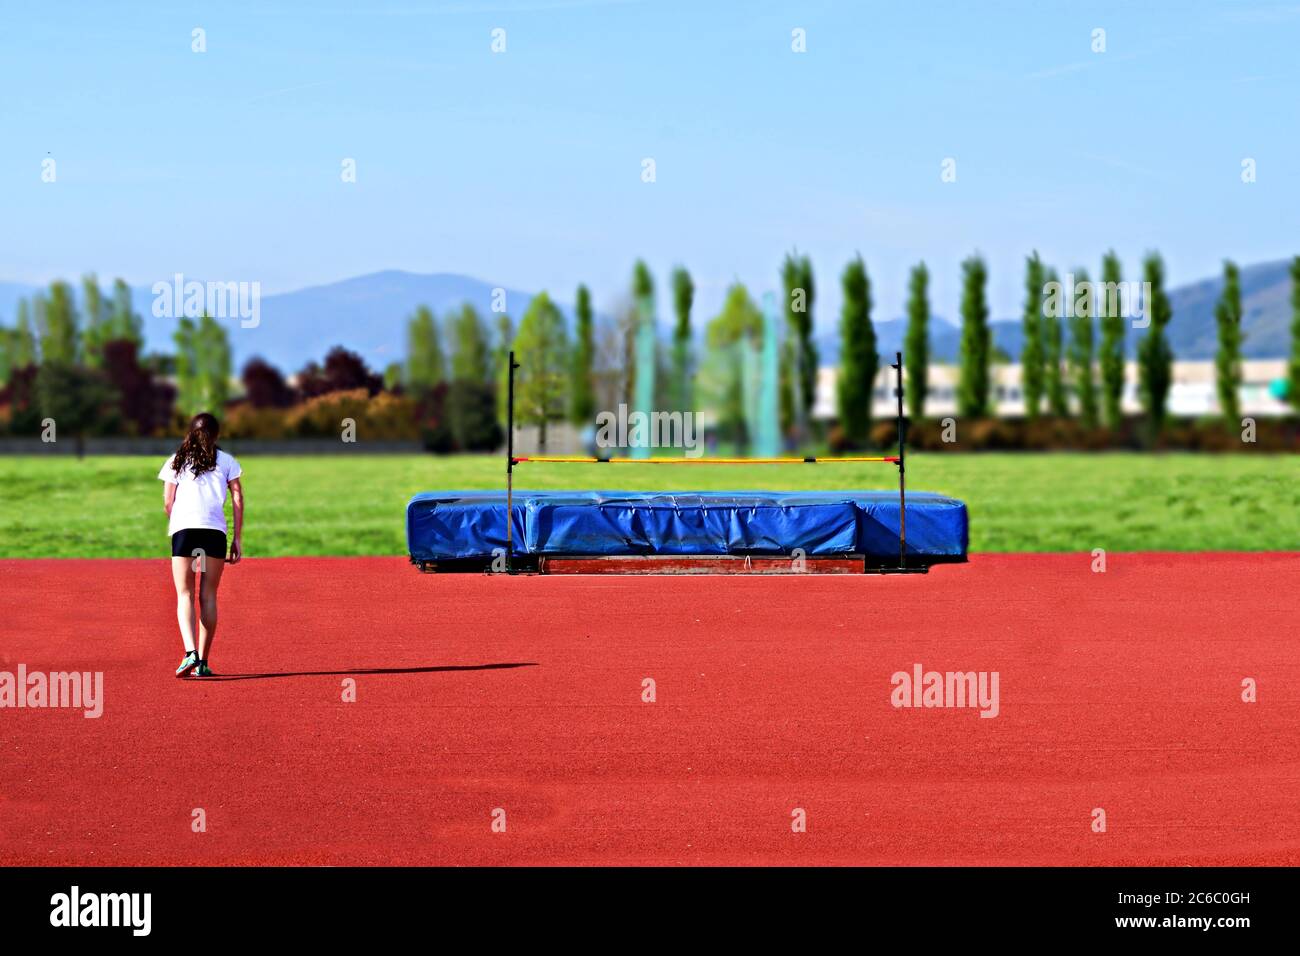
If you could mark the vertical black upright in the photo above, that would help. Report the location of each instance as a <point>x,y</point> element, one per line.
<point>510,463</point>
<point>902,444</point>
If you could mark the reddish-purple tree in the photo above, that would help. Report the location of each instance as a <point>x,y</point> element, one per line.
<point>346,370</point>
<point>264,386</point>
<point>142,401</point>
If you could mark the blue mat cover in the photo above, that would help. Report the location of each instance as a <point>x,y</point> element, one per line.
<point>446,525</point>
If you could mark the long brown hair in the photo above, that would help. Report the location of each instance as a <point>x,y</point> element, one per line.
<point>199,449</point>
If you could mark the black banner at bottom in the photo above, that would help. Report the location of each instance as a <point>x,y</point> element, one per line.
<point>331,905</point>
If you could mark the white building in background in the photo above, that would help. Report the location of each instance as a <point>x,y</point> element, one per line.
<point>1192,394</point>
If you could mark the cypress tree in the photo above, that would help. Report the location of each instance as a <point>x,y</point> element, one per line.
<point>683,299</point>
<point>858,359</point>
<point>797,276</point>
<point>917,341</point>
<point>1054,380</point>
<point>1081,350</point>
<point>1155,356</point>
<point>976,341</point>
<point>1031,356</point>
<point>1107,304</point>
<point>582,396</point>
<point>1227,361</point>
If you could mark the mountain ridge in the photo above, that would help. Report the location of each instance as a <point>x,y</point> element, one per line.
<point>367,314</point>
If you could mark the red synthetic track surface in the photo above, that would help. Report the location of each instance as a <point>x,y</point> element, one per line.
<point>1119,690</point>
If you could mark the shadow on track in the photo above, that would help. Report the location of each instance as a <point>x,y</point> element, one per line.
<point>372,670</point>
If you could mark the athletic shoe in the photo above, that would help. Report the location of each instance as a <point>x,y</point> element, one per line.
<point>190,661</point>
<point>203,670</point>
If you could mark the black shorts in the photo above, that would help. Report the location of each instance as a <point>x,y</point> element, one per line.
<point>187,541</point>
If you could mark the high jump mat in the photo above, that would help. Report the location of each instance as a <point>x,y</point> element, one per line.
<point>556,531</point>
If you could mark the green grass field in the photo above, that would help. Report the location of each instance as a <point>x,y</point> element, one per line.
<point>112,507</point>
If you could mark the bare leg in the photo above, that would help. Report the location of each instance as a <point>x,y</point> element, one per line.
<point>183,578</point>
<point>209,581</point>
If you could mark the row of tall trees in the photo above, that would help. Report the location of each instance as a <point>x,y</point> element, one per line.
<point>89,346</point>
<point>51,328</point>
<point>76,368</point>
<point>457,384</point>
<point>1052,369</point>
<point>1073,358</point>
<point>553,366</point>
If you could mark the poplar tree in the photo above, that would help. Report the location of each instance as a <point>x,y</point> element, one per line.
<point>976,341</point>
<point>212,364</point>
<point>1227,361</point>
<point>426,366</point>
<point>1081,350</point>
<point>97,330</point>
<point>1053,348</point>
<point>505,340</point>
<point>542,351</point>
<point>683,364</point>
<point>859,361</point>
<point>917,341</point>
<point>1155,356</point>
<point>797,277</point>
<point>1107,305</point>
<point>202,365</point>
<point>1031,356</point>
<point>582,396</point>
<point>24,347</point>
<point>124,322</point>
<point>56,319</point>
<point>471,359</point>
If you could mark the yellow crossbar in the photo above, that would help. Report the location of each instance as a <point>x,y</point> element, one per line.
<point>552,460</point>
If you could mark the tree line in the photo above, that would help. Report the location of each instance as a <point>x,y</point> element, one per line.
<point>1060,360</point>
<point>80,362</point>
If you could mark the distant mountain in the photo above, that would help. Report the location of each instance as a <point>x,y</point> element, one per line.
<point>945,339</point>
<point>368,315</point>
<point>1265,304</point>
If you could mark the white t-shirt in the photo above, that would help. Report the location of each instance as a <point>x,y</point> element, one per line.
<point>200,502</point>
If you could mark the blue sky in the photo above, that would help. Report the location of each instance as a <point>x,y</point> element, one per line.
<point>524,168</point>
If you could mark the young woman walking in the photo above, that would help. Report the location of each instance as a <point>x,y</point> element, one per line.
<point>194,497</point>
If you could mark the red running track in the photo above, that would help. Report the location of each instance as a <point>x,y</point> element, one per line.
<point>1119,691</point>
